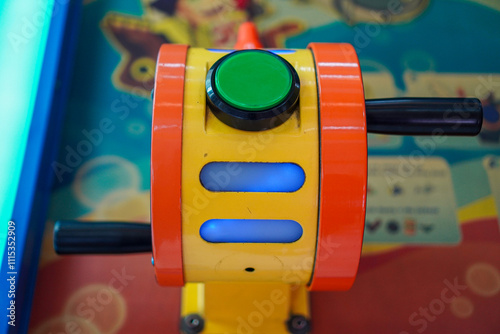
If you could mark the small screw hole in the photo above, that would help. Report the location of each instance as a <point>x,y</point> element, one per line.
<point>250,269</point>
<point>299,323</point>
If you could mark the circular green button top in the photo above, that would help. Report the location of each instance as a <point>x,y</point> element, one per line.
<point>252,90</point>
<point>253,80</point>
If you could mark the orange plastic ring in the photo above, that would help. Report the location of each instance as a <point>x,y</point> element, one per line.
<point>343,166</point>
<point>166,158</point>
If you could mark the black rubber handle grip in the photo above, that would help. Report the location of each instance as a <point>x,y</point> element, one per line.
<point>425,116</point>
<point>74,237</point>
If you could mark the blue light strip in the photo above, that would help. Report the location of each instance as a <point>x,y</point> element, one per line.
<point>23,42</point>
<point>252,177</point>
<point>42,38</point>
<point>250,231</point>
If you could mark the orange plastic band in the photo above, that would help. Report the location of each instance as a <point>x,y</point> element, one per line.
<point>343,166</point>
<point>166,157</point>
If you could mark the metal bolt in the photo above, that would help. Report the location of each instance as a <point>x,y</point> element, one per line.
<point>298,324</point>
<point>192,324</point>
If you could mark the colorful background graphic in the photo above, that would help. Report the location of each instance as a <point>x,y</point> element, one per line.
<point>431,257</point>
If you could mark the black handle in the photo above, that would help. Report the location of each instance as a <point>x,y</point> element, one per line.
<point>74,237</point>
<point>425,116</point>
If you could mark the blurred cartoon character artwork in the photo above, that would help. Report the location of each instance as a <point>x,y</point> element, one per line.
<point>138,45</point>
<point>383,11</point>
<point>491,122</point>
<point>199,23</point>
<point>138,38</point>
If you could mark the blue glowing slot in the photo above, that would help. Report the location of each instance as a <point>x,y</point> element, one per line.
<point>252,177</point>
<point>281,51</point>
<point>251,231</point>
<point>221,50</point>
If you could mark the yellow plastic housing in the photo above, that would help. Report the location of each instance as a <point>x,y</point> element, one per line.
<point>245,308</point>
<point>206,139</point>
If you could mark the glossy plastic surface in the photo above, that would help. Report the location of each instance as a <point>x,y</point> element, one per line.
<point>224,306</point>
<point>343,166</point>
<point>253,80</point>
<point>248,37</point>
<point>206,139</point>
<point>248,82</point>
<point>425,116</point>
<point>166,157</point>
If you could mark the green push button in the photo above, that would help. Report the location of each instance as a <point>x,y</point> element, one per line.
<point>253,80</point>
<point>252,90</point>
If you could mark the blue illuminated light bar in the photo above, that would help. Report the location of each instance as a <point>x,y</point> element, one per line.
<point>252,177</point>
